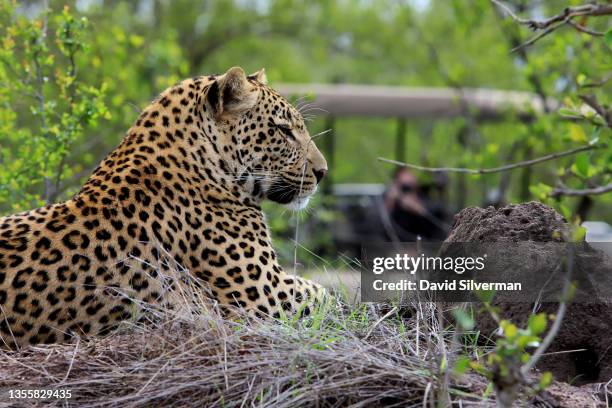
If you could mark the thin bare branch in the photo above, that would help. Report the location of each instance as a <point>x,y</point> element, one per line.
<point>538,36</point>
<point>500,169</point>
<point>585,30</point>
<point>582,192</point>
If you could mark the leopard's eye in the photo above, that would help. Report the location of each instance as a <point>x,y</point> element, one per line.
<point>286,130</point>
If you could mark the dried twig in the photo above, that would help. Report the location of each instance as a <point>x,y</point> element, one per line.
<point>552,333</point>
<point>500,169</point>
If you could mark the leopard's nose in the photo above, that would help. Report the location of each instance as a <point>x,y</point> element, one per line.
<point>319,174</point>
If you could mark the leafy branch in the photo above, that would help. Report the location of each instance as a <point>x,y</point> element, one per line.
<point>39,59</point>
<point>566,17</point>
<point>606,114</point>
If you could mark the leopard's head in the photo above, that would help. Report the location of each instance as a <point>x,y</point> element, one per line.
<point>267,148</point>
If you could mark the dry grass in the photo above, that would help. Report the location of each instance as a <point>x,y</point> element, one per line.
<point>194,357</point>
<point>191,356</point>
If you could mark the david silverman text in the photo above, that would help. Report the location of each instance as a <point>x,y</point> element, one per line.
<point>465,284</point>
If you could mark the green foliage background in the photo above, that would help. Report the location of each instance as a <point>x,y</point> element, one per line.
<point>74,75</point>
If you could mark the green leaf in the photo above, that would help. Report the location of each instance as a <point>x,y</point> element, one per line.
<point>527,341</point>
<point>608,38</point>
<point>565,211</point>
<point>537,323</point>
<point>540,190</point>
<point>577,133</point>
<point>546,380</point>
<point>510,330</point>
<point>476,366</point>
<point>595,136</point>
<point>568,112</point>
<point>582,164</point>
<point>464,320</point>
<point>579,233</point>
<point>461,365</point>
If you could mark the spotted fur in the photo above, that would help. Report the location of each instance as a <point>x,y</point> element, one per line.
<point>182,190</point>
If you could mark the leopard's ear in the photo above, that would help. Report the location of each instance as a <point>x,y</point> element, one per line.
<point>231,93</point>
<point>260,76</point>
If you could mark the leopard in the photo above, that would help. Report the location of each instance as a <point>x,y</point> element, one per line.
<point>183,191</point>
